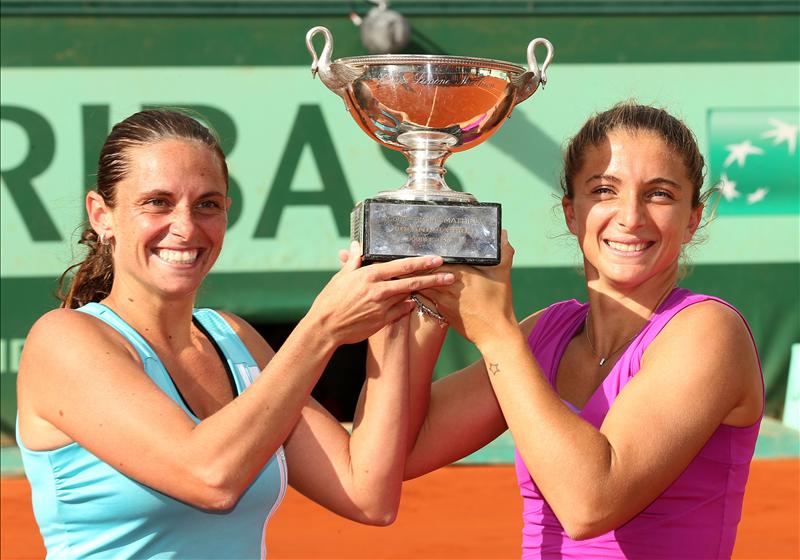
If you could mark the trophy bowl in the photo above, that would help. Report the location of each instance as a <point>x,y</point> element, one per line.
<point>428,107</point>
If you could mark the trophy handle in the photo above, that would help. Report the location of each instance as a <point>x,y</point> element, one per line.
<point>335,75</point>
<point>533,65</point>
<point>324,60</point>
<point>528,82</point>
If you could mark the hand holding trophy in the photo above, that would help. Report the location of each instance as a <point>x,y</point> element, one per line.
<point>428,106</point>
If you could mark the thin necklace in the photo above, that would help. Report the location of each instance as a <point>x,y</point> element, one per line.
<point>604,359</point>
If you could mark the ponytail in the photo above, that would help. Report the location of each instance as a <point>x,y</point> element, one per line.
<point>94,275</point>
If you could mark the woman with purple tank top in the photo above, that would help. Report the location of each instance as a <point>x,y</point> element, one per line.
<point>634,415</point>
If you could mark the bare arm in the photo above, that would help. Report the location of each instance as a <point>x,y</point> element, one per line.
<point>452,417</point>
<point>448,419</point>
<point>462,417</point>
<point>426,337</point>
<point>595,480</point>
<point>359,476</point>
<point>80,377</point>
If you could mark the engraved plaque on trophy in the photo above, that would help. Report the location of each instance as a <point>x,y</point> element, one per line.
<point>428,107</point>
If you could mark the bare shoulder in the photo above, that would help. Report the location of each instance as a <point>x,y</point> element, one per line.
<point>709,325</point>
<point>59,319</point>
<point>65,332</point>
<point>255,343</point>
<point>708,344</point>
<point>61,347</point>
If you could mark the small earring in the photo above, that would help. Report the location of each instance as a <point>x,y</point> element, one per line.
<point>102,238</point>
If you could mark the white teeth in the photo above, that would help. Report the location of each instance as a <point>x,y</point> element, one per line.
<point>177,257</point>
<point>627,247</point>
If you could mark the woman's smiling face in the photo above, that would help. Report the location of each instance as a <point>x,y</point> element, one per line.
<point>631,208</point>
<point>170,217</point>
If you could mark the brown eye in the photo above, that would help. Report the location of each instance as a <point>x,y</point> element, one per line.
<point>209,206</point>
<point>661,194</point>
<point>603,190</point>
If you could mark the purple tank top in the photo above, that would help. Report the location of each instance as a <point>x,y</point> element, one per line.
<point>696,516</point>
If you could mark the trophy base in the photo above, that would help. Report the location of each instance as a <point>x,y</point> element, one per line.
<point>459,232</point>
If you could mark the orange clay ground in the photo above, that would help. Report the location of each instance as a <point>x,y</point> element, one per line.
<point>458,512</point>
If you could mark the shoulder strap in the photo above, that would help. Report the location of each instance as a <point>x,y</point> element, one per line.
<point>152,364</point>
<point>553,331</point>
<point>557,316</point>
<point>107,315</point>
<point>677,301</point>
<point>241,362</point>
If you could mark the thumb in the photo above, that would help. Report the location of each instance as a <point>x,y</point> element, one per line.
<point>353,257</point>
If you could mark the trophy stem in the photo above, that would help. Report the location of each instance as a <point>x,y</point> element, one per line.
<point>426,168</point>
<point>426,152</point>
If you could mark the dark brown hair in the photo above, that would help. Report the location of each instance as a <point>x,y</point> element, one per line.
<point>633,117</point>
<point>94,275</point>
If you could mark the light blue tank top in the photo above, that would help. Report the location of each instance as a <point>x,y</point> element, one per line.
<point>87,509</point>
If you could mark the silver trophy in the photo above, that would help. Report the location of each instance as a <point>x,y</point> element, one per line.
<point>427,106</point>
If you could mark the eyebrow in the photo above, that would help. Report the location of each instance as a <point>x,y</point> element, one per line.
<point>603,177</point>
<point>169,194</point>
<point>658,180</point>
<point>155,192</point>
<point>613,179</point>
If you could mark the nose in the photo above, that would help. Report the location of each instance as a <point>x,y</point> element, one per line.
<point>182,224</point>
<point>631,212</point>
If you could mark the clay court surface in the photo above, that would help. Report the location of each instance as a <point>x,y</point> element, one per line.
<point>458,512</point>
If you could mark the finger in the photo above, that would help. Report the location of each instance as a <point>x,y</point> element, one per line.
<point>393,299</point>
<point>353,257</point>
<point>429,295</point>
<point>402,308</point>
<point>407,266</point>
<point>344,255</point>
<point>417,283</point>
<point>451,268</point>
<point>506,251</point>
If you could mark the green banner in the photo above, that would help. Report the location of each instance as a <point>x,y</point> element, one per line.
<point>754,160</point>
<point>298,161</point>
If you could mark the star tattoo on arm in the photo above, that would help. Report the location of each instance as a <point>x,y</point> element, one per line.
<point>494,369</point>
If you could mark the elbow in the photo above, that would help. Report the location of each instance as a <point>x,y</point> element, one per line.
<point>214,492</point>
<point>380,517</point>
<point>582,531</point>
<point>585,523</point>
<point>380,513</point>
<point>217,501</point>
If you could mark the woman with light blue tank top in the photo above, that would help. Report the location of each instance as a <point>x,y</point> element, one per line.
<point>152,429</point>
<point>111,515</point>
